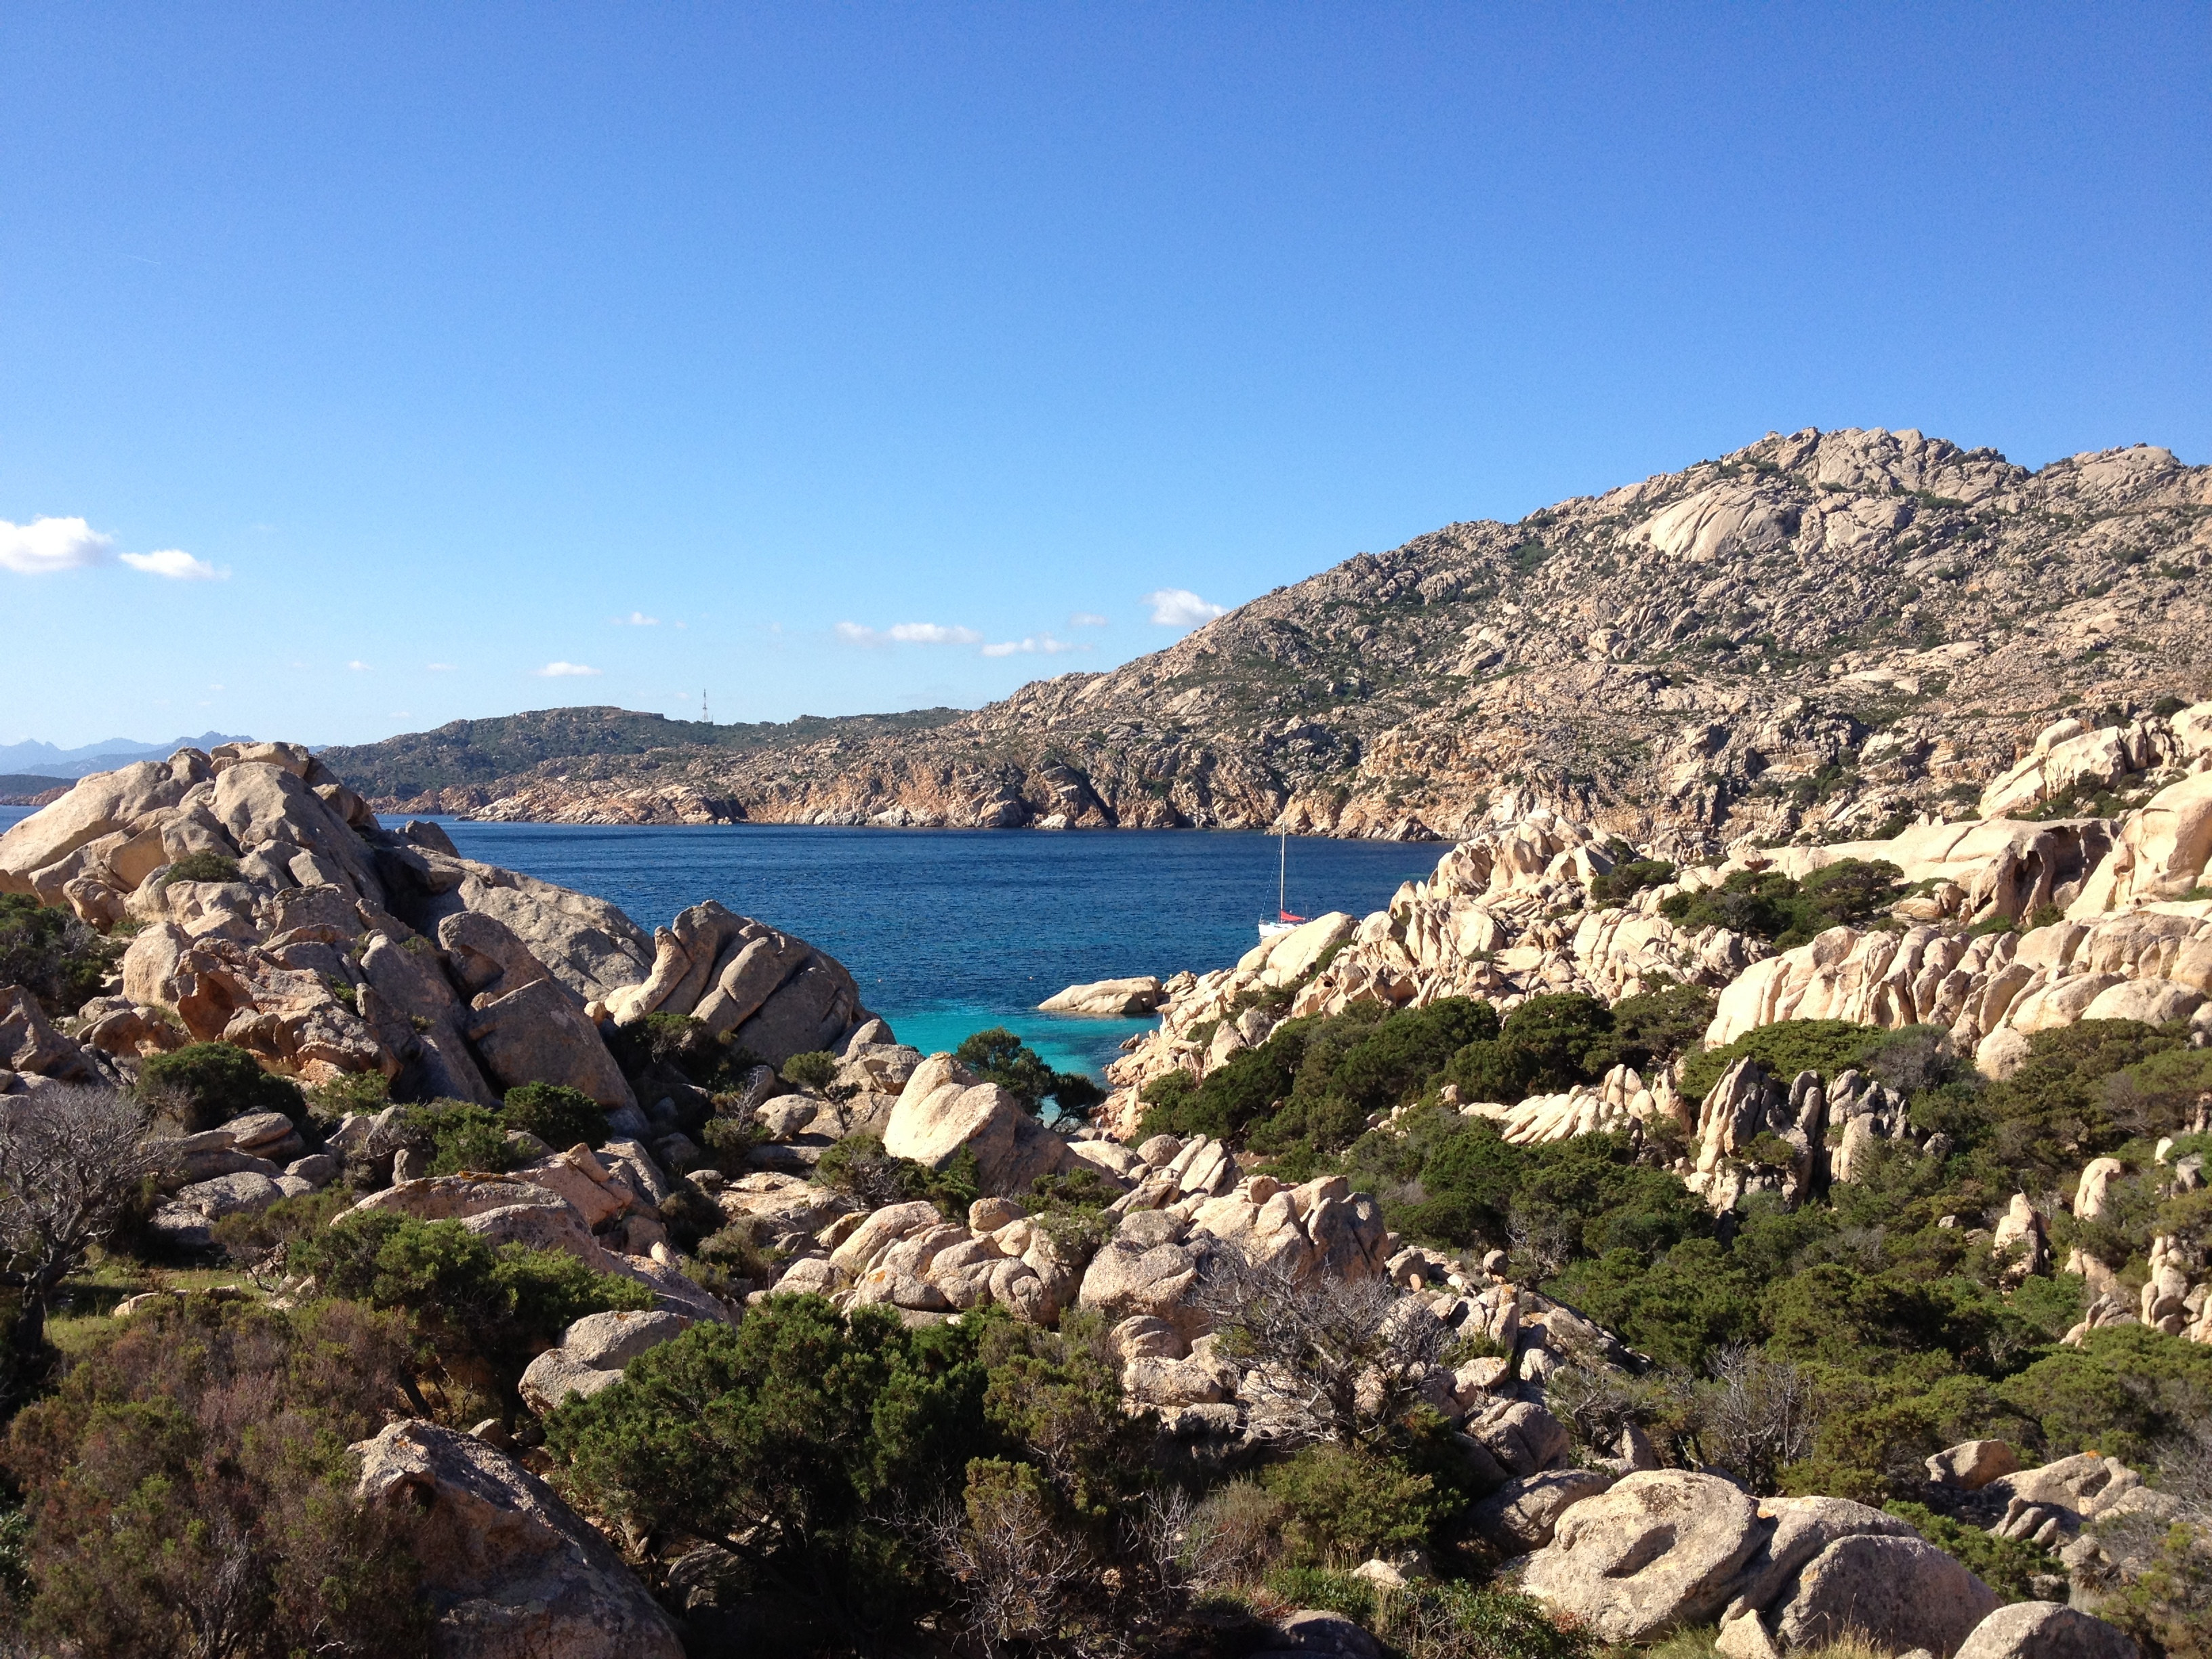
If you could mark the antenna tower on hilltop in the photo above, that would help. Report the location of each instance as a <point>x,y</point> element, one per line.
<point>705,717</point>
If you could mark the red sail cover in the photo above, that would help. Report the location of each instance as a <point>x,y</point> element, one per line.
<point>1287,916</point>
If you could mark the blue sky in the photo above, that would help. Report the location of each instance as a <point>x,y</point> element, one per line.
<point>405,349</point>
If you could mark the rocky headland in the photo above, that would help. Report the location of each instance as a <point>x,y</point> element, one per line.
<point>1809,638</point>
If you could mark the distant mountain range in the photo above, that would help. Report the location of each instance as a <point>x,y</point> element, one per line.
<point>1816,637</point>
<point>43,760</point>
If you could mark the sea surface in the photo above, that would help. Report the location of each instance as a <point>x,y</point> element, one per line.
<point>950,930</point>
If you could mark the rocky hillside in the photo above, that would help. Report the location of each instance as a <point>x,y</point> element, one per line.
<point>1811,638</point>
<point>462,759</point>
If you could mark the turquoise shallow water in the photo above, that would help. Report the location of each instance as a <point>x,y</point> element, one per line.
<point>949,931</point>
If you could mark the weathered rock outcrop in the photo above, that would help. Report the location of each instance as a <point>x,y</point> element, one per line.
<point>511,1572</point>
<point>945,1109</point>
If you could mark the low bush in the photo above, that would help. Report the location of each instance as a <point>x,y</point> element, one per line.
<point>859,1166</point>
<point>558,1116</point>
<point>190,1492</point>
<point>811,1071</point>
<point>201,866</point>
<point>2009,1567</point>
<point>1000,1057</point>
<point>460,1137</point>
<point>208,1084</point>
<point>480,1312</point>
<point>1342,1506</point>
<point>1768,904</point>
<point>50,954</point>
<point>1625,880</point>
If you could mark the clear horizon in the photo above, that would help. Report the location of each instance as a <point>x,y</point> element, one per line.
<point>378,370</point>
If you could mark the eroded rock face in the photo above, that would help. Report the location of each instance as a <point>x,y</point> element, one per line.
<point>511,1570</point>
<point>776,995</point>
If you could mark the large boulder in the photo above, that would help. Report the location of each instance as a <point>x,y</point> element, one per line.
<point>1522,1515</point>
<point>2046,1630</point>
<point>1898,1593</point>
<point>1661,1549</point>
<point>537,1034</point>
<point>28,1042</point>
<point>1801,1528</point>
<point>511,1571</point>
<point>946,1107</point>
<point>593,1353</point>
<point>1106,998</point>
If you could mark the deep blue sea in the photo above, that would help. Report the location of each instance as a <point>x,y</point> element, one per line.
<point>949,931</point>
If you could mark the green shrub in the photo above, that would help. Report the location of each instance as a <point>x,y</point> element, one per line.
<point>462,1137</point>
<point>558,1116</point>
<point>809,1432</point>
<point>353,1092</point>
<point>215,1082</point>
<point>50,954</point>
<point>1345,1506</point>
<point>859,1166</point>
<point>710,1060</point>
<point>201,866</point>
<point>1768,904</point>
<point>189,1490</point>
<point>811,1071</point>
<point>1625,881</point>
<point>483,1312</point>
<point>1785,1049</point>
<point>2007,1566</point>
<point>1000,1057</point>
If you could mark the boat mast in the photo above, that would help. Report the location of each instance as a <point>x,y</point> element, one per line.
<point>1282,871</point>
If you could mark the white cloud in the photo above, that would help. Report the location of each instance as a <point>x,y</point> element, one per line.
<point>1178,607</point>
<point>639,619</point>
<point>50,544</point>
<point>439,667</point>
<point>1047,644</point>
<point>358,666</point>
<point>177,565</point>
<point>1086,619</point>
<point>556,670</point>
<point>908,633</point>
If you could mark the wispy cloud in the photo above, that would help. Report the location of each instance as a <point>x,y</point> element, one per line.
<point>908,633</point>
<point>638,619</point>
<point>358,666</point>
<point>1178,607</point>
<point>177,565</point>
<point>1044,644</point>
<point>439,667</point>
<point>49,545</point>
<point>558,670</point>
<point>1086,619</point>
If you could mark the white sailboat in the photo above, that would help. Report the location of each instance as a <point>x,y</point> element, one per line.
<point>1284,921</point>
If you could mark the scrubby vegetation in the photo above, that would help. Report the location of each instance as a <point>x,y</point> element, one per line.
<point>206,1084</point>
<point>50,954</point>
<point>1768,904</point>
<point>1311,1087</point>
<point>1002,1058</point>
